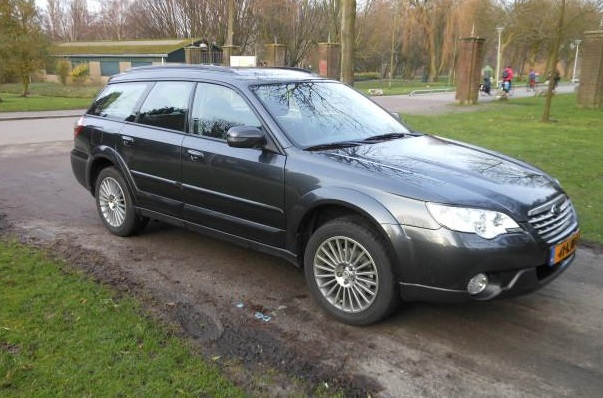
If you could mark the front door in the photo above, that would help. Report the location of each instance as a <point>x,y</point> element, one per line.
<point>239,191</point>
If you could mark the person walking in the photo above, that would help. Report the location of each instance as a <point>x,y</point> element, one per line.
<point>487,84</point>
<point>507,77</point>
<point>531,81</point>
<point>556,78</point>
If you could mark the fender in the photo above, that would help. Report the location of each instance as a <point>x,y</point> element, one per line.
<point>105,152</point>
<point>357,201</point>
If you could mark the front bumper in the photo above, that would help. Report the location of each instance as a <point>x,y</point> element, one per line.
<point>441,263</point>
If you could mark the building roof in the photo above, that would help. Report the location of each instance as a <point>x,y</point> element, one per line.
<point>152,48</point>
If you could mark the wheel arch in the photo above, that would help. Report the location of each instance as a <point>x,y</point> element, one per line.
<point>320,206</point>
<point>103,157</point>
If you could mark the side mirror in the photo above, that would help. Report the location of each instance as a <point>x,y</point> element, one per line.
<point>245,137</point>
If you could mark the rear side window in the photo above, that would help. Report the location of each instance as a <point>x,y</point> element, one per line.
<point>167,105</point>
<point>118,101</point>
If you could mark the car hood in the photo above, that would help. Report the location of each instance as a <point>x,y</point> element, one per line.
<point>440,170</point>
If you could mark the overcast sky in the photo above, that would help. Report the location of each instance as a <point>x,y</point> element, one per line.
<point>42,3</point>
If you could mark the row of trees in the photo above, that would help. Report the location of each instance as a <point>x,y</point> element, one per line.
<point>400,35</point>
<point>405,34</point>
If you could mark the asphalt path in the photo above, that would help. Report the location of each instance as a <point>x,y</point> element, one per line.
<point>440,102</point>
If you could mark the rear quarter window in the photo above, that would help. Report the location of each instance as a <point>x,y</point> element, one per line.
<point>118,101</point>
<point>166,105</point>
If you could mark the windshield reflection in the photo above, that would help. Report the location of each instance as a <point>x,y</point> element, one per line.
<point>319,113</point>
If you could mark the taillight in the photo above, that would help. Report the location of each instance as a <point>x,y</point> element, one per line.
<point>79,127</point>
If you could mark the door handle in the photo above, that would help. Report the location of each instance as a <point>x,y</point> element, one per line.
<point>127,140</point>
<point>195,156</point>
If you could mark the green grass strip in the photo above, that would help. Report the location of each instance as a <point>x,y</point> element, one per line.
<point>16,103</point>
<point>62,335</point>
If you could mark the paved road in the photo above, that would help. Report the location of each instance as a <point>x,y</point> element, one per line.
<point>439,102</point>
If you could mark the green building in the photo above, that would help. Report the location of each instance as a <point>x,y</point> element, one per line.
<point>107,58</point>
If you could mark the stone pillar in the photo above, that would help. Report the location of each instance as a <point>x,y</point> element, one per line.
<point>95,69</point>
<point>590,89</point>
<point>469,70</point>
<point>124,65</point>
<point>192,55</point>
<point>275,54</point>
<point>329,60</point>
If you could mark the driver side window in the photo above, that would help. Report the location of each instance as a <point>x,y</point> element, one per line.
<point>217,108</point>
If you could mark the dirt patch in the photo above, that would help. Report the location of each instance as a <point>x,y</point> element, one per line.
<point>257,355</point>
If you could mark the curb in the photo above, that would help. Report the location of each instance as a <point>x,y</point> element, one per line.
<point>8,116</point>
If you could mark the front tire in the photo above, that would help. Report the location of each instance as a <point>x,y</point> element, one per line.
<point>349,272</point>
<point>114,204</point>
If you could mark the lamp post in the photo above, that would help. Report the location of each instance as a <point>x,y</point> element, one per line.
<point>499,29</point>
<point>577,42</point>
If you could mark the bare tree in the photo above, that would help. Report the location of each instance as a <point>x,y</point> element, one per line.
<point>68,20</point>
<point>554,58</point>
<point>113,20</point>
<point>53,19</point>
<point>77,20</point>
<point>298,24</point>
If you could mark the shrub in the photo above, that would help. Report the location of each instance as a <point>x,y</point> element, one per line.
<point>63,68</point>
<point>80,73</point>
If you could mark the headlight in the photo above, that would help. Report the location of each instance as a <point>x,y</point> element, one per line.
<point>487,224</point>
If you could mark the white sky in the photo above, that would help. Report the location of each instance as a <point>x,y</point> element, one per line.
<point>42,4</point>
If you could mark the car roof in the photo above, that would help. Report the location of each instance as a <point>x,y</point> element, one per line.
<point>219,73</point>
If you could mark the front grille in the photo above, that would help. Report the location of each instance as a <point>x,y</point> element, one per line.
<point>553,220</point>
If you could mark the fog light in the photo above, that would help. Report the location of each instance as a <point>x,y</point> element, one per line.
<point>477,284</point>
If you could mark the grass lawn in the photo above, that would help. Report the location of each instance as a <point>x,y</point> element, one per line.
<point>16,103</point>
<point>570,148</point>
<point>398,86</point>
<point>45,97</point>
<point>62,335</point>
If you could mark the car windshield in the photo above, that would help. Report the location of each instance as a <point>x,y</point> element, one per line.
<point>317,114</point>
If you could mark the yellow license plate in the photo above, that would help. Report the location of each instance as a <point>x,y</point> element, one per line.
<point>563,250</point>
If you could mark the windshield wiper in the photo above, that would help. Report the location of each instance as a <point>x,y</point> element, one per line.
<point>332,145</point>
<point>385,137</point>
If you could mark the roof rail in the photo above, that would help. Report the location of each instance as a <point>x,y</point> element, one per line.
<point>214,68</point>
<point>293,68</point>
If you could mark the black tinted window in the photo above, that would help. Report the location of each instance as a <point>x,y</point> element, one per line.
<point>118,101</point>
<point>167,105</point>
<point>218,108</point>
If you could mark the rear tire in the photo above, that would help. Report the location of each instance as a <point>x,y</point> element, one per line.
<point>114,204</point>
<point>349,272</point>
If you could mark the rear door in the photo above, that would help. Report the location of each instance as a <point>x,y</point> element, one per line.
<point>151,146</point>
<point>239,191</point>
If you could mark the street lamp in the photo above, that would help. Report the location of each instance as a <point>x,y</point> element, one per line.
<point>499,29</point>
<point>577,42</point>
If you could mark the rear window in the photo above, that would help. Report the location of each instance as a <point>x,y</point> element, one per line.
<point>118,101</point>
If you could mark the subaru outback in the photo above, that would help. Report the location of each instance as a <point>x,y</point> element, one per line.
<point>308,169</point>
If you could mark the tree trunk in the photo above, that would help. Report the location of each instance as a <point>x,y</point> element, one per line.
<point>553,63</point>
<point>25,84</point>
<point>348,21</point>
<point>230,28</point>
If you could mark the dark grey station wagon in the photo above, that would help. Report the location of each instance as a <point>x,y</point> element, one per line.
<point>308,169</point>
